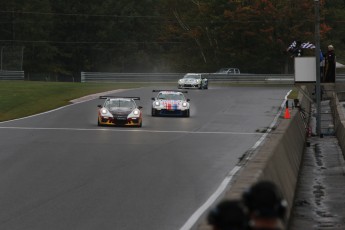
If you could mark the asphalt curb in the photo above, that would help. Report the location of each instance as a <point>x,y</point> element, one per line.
<point>95,96</point>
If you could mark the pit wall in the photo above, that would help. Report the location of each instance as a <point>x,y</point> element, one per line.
<point>338,115</point>
<point>278,159</point>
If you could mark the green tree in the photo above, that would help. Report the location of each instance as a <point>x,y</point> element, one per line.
<point>28,32</point>
<point>66,37</point>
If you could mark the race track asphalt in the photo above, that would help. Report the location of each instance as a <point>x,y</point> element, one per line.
<point>59,170</point>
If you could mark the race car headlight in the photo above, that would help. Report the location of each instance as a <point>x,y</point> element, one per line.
<point>184,104</point>
<point>136,112</point>
<point>157,103</point>
<point>104,111</point>
<point>180,81</point>
<point>198,81</point>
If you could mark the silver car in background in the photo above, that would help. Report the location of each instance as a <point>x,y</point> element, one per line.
<point>228,71</point>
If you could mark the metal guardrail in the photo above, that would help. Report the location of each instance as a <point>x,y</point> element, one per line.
<point>130,77</point>
<point>11,75</point>
<point>252,78</point>
<point>173,77</point>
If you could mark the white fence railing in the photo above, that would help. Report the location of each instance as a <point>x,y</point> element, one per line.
<point>11,75</point>
<point>173,77</point>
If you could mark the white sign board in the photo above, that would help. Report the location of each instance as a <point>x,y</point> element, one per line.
<point>305,69</point>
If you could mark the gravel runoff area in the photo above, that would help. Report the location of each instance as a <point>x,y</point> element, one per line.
<point>320,195</point>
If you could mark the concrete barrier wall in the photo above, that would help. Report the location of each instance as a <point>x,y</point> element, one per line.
<point>278,160</point>
<point>339,119</point>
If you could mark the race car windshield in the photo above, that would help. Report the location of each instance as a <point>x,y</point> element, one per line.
<point>120,104</point>
<point>171,97</point>
<point>192,76</point>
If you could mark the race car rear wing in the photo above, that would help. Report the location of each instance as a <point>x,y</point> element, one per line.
<point>106,97</point>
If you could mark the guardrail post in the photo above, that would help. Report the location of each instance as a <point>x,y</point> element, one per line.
<point>82,77</point>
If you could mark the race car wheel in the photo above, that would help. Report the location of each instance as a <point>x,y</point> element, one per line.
<point>200,86</point>
<point>99,124</point>
<point>140,123</point>
<point>154,112</point>
<point>186,113</point>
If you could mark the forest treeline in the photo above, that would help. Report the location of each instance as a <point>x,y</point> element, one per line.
<point>65,37</point>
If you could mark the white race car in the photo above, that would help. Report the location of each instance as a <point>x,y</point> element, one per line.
<point>193,80</point>
<point>170,102</point>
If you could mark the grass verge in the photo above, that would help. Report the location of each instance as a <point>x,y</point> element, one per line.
<point>25,98</point>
